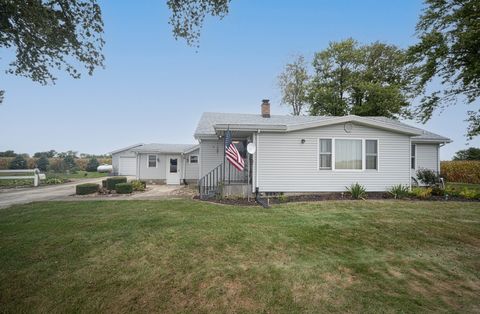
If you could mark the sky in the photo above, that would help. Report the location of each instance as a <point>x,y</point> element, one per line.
<point>154,88</point>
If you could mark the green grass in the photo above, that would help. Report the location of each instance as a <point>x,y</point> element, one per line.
<point>187,256</point>
<point>77,175</point>
<point>463,186</point>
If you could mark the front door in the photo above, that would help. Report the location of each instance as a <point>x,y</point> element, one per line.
<point>173,170</point>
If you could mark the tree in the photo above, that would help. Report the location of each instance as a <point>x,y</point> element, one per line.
<point>188,16</point>
<point>69,162</point>
<point>48,154</point>
<point>66,35</point>
<point>366,80</point>
<point>449,35</point>
<point>43,163</point>
<point>52,35</point>
<point>18,163</point>
<point>92,165</point>
<point>471,153</point>
<point>8,153</point>
<point>293,83</point>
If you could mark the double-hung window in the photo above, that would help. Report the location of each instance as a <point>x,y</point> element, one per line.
<point>348,154</point>
<point>325,154</point>
<point>152,161</point>
<point>371,154</point>
<point>413,156</point>
<point>194,159</point>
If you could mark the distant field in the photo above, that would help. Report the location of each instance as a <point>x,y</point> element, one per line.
<point>188,256</point>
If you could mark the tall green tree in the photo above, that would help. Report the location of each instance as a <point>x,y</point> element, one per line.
<point>366,80</point>
<point>448,49</point>
<point>471,153</point>
<point>49,36</point>
<point>293,83</point>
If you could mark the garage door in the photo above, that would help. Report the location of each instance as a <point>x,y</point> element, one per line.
<point>127,166</point>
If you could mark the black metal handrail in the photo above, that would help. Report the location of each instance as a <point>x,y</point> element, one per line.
<point>209,183</point>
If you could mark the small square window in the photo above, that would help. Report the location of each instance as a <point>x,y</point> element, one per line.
<point>194,159</point>
<point>152,161</point>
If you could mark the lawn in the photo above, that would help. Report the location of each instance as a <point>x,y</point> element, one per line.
<point>77,175</point>
<point>188,256</point>
<point>463,186</point>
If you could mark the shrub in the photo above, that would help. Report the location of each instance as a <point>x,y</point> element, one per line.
<point>124,188</point>
<point>86,188</point>
<point>92,165</point>
<point>399,191</point>
<point>104,183</point>
<point>53,181</point>
<point>357,191</point>
<point>138,185</point>
<point>18,162</point>
<point>282,198</point>
<point>423,193</point>
<point>461,171</point>
<point>469,194</point>
<point>42,163</point>
<point>111,182</point>
<point>428,176</point>
<point>438,191</point>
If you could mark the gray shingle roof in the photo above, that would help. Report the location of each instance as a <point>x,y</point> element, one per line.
<point>164,148</point>
<point>208,120</point>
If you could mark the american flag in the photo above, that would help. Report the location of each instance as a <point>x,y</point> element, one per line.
<point>232,153</point>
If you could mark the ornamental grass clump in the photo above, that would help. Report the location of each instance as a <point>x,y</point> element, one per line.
<point>357,191</point>
<point>399,191</point>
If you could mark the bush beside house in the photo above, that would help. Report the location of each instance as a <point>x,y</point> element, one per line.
<point>113,181</point>
<point>86,188</point>
<point>123,188</point>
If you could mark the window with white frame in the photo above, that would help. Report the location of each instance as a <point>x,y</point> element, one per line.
<point>348,154</point>
<point>371,154</point>
<point>413,157</point>
<point>325,153</point>
<point>152,161</point>
<point>194,159</point>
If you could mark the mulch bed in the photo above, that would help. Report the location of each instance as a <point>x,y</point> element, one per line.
<point>311,197</point>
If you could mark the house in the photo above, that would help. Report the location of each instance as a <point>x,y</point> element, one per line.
<point>160,163</point>
<point>299,153</point>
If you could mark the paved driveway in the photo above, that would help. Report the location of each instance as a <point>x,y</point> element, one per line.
<point>10,197</point>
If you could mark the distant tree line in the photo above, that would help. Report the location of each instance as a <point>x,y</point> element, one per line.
<point>53,161</point>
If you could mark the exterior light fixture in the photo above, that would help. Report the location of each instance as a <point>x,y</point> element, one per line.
<point>303,141</point>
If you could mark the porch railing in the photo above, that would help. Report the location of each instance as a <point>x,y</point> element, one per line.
<point>209,184</point>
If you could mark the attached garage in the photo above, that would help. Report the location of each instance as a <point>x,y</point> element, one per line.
<point>124,161</point>
<point>127,166</point>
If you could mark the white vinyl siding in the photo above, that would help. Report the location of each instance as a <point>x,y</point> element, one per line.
<point>427,156</point>
<point>151,173</point>
<point>191,169</point>
<point>287,165</point>
<point>211,155</point>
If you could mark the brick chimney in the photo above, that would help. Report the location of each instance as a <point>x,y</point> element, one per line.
<point>266,108</point>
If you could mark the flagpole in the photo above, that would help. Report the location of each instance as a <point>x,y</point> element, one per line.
<point>224,149</point>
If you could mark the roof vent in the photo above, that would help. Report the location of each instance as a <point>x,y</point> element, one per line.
<point>266,108</point>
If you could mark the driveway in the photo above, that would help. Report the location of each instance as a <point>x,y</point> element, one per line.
<point>10,197</point>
